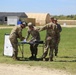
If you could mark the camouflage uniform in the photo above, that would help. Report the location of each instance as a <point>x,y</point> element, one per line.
<point>59,29</point>
<point>49,40</point>
<point>15,33</point>
<point>33,46</point>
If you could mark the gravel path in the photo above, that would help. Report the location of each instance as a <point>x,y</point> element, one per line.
<point>8,69</point>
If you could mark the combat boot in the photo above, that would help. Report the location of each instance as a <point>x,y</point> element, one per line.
<point>55,54</point>
<point>31,57</point>
<point>15,58</point>
<point>44,59</point>
<point>34,58</point>
<point>51,59</point>
<point>15,55</point>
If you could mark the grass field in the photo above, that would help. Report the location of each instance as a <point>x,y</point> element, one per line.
<point>66,59</point>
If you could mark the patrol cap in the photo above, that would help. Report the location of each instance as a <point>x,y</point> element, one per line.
<point>24,23</point>
<point>51,17</point>
<point>30,24</point>
<point>55,19</point>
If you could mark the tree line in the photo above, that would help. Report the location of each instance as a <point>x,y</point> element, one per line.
<point>68,17</point>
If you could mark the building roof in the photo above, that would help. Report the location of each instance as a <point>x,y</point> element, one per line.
<point>20,14</point>
<point>40,16</point>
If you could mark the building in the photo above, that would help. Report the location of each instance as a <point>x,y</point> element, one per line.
<point>11,18</point>
<point>67,22</point>
<point>40,18</point>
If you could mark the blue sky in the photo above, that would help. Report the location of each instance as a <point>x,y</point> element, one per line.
<point>54,7</point>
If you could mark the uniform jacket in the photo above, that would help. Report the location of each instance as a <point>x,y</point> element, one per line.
<point>34,33</point>
<point>50,29</point>
<point>16,32</point>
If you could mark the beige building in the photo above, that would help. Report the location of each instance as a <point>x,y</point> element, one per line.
<point>40,18</point>
<point>67,22</point>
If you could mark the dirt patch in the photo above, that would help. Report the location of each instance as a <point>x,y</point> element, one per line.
<point>8,69</point>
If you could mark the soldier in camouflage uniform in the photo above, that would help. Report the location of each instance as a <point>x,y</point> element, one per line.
<point>35,37</point>
<point>59,29</point>
<point>16,33</point>
<point>50,39</point>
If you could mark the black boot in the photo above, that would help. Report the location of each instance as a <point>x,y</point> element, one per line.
<point>35,57</point>
<point>31,57</point>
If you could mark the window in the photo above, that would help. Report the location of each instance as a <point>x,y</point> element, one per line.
<point>5,18</point>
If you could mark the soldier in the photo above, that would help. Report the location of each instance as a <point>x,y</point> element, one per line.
<point>50,39</point>
<point>16,33</point>
<point>35,37</point>
<point>52,19</point>
<point>59,29</point>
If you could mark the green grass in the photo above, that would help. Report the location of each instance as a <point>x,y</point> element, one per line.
<point>66,59</point>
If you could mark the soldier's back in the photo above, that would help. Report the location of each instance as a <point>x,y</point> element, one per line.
<point>14,31</point>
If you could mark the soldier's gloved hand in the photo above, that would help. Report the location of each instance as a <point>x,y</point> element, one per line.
<point>24,40</point>
<point>49,38</point>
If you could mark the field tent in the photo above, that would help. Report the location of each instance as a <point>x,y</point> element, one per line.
<point>40,18</point>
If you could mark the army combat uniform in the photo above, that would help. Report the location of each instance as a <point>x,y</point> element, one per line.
<point>33,46</point>
<point>15,33</point>
<point>49,40</point>
<point>59,29</point>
